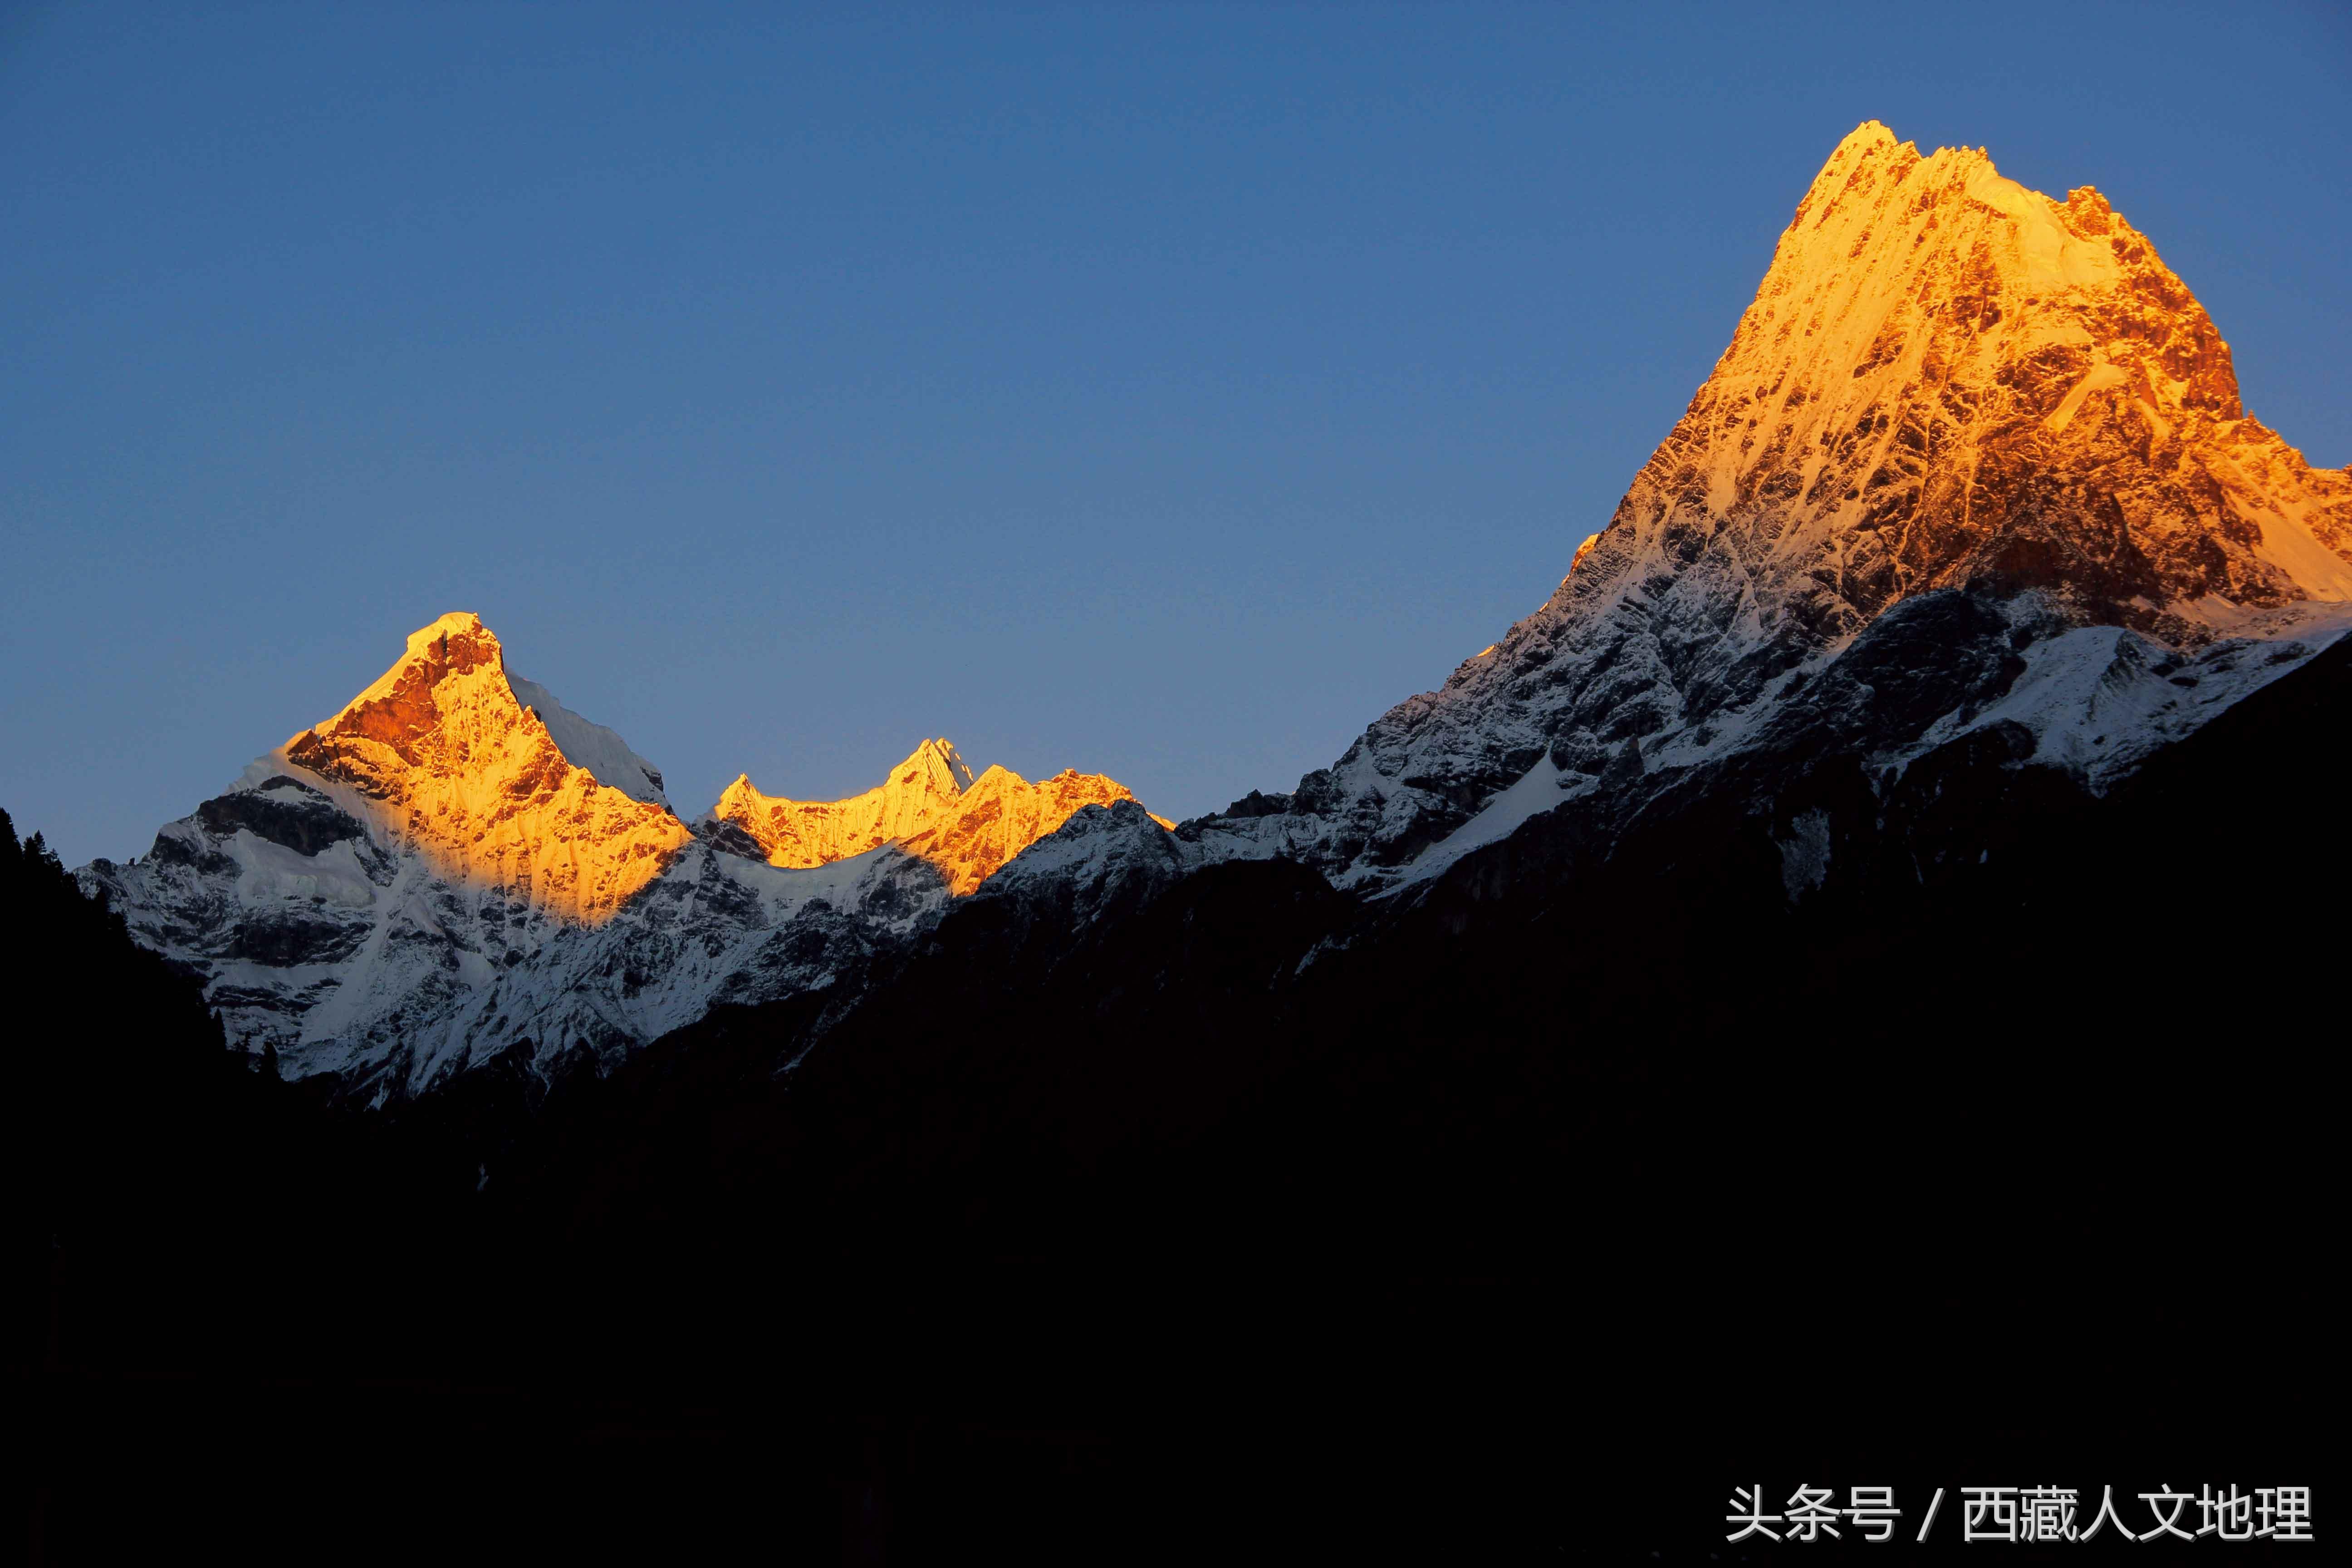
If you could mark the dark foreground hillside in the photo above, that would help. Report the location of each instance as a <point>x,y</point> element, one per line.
<point>1525,1220</point>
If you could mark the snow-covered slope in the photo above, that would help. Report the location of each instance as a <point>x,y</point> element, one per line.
<point>443,872</point>
<point>591,747</point>
<point>1947,384</point>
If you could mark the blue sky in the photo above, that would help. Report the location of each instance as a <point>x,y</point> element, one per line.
<point>1158,391</point>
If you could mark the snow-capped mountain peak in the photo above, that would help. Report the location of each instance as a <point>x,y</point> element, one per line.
<point>440,756</point>
<point>1945,383</point>
<point>1954,378</point>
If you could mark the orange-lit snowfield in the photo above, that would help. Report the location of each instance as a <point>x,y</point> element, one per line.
<point>930,806</point>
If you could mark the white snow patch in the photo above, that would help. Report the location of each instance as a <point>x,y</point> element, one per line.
<point>269,872</point>
<point>2100,698</point>
<point>592,746</point>
<point>1536,792</point>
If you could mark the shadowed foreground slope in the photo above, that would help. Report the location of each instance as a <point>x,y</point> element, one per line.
<point>1992,1150</point>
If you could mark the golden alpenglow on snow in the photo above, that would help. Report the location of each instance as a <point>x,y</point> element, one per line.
<point>447,762</point>
<point>1946,377</point>
<point>456,766</point>
<point>1945,384</point>
<point>930,806</point>
<point>457,864</point>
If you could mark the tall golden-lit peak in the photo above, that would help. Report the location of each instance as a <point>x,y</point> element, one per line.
<point>1869,152</point>
<point>1868,141</point>
<point>441,754</point>
<point>454,644</point>
<point>454,623</point>
<point>1935,352</point>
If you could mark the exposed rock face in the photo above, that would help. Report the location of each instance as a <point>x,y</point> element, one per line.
<point>1948,379</point>
<point>441,873</point>
<point>930,806</point>
<point>1946,383</point>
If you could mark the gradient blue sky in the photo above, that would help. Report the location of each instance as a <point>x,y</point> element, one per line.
<point>1163,391</point>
